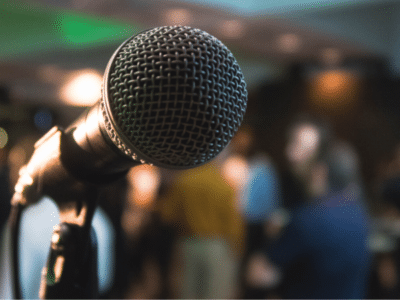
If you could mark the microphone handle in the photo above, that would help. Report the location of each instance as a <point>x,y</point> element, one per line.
<point>82,154</point>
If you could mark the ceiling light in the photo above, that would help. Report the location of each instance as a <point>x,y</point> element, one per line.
<point>232,29</point>
<point>336,91</point>
<point>289,43</point>
<point>178,16</point>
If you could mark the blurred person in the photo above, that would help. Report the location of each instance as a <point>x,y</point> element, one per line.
<point>235,171</point>
<point>323,251</point>
<point>149,240</point>
<point>384,282</point>
<point>307,140</point>
<point>260,198</point>
<point>258,182</point>
<point>385,279</point>
<point>200,205</point>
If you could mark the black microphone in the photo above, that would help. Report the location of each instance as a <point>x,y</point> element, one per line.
<point>172,96</point>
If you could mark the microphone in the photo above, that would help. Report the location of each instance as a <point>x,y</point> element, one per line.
<point>172,96</point>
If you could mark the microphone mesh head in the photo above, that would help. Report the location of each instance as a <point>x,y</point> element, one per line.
<point>173,97</point>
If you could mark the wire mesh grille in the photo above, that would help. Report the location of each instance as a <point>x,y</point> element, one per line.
<point>177,95</point>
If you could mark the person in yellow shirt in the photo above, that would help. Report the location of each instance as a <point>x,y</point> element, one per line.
<point>202,208</point>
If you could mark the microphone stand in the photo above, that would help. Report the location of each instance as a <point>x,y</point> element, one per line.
<point>71,270</point>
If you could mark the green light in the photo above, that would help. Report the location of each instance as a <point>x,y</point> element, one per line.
<point>79,30</point>
<point>31,28</point>
<point>3,138</point>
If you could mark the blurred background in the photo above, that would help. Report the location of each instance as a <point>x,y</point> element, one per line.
<point>335,60</point>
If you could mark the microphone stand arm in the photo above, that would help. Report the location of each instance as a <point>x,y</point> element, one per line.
<point>71,270</point>
<point>55,170</point>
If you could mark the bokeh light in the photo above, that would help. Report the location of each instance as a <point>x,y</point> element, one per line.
<point>144,181</point>
<point>232,29</point>
<point>334,91</point>
<point>43,119</point>
<point>304,144</point>
<point>82,89</point>
<point>179,16</point>
<point>289,43</point>
<point>235,171</point>
<point>3,138</point>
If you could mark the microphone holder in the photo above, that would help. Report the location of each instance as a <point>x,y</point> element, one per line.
<point>71,270</point>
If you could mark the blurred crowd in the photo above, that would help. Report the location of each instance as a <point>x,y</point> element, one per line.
<point>241,226</point>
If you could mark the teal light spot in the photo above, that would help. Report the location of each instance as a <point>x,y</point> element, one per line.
<point>84,30</point>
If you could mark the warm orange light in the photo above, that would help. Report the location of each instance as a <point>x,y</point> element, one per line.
<point>235,171</point>
<point>144,182</point>
<point>83,88</point>
<point>332,84</point>
<point>336,90</point>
